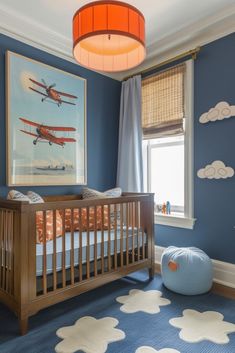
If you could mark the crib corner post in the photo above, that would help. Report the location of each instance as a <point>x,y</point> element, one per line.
<point>23,324</point>
<point>21,267</point>
<point>151,272</point>
<point>150,232</point>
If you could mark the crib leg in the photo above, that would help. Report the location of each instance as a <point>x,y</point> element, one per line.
<point>151,272</point>
<point>23,323</point>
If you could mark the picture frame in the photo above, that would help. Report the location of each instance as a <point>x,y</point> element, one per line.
<point>45,124</point>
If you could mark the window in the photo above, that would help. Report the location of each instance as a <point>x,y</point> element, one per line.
<point>167,120</point>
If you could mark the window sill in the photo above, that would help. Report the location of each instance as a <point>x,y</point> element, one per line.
<point>174,220</point>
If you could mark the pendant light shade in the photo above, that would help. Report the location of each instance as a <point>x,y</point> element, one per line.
<point>109,36</point>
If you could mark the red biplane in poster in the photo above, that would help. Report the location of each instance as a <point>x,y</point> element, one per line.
<point>47,133</point>
<point>50,93</point>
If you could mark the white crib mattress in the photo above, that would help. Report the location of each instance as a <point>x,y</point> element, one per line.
<point>59,246</point>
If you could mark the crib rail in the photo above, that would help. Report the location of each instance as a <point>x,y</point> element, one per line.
<point>6,251</point>
<point>100,238</point>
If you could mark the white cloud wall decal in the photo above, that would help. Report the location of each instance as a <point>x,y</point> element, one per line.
<point>139,300</point>
<point>221,111</point>
<point>216,170</point>
<point>89,335</point>
<point>209,325</point>
<point>146,349</point>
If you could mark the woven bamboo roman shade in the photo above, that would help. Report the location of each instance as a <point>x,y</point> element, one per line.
<point>163,103</point>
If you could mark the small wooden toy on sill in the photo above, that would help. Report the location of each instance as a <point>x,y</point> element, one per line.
<point>164,208</point>
<point>168,207</point>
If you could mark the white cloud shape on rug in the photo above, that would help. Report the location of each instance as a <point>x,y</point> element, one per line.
<point>209,325</point>
<point>221,111</point>
<point>146,349</point>
<point>216,170</point>
<point>89,335</point>
<point>139,300</point>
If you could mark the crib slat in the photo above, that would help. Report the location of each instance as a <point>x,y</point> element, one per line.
<point>6,251</point>
<point>2,255</point>
<point>44,253</point>
<point>137,205</point>
<point>54,251</point>
<point>9,242</point>
<point>143,244</point>
<point>109,240</point>
<point>121,239</point>
<point>8,248</point>
<point>95,242</point>
<point>72,248</point>
<point>77,278</point>
<point>1,248</point>
<point>102,239</point>
<point>80,244</point>
<point>63,250</point>
<point>12,260</point>
<point>133,232</point>
<point>127,234</point>
<point>8,221</point>
<point>88,243</point>
<point>115,236</point>
<point>35,286</point>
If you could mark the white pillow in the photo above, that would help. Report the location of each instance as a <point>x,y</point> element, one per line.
<point>88,193</point>
<point>31,197</point>
<point>115,192</point>
<point>17,196</point>
<point>34,197</point>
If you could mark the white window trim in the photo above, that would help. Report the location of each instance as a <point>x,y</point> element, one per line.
<point>174,221</point>
<point>188,220</point>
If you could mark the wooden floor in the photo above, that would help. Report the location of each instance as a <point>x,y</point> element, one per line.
<point>217,288</point>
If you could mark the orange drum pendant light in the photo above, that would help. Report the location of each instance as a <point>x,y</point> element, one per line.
<point>109,36</point>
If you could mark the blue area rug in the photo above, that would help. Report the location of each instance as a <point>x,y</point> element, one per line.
<point>141,329</point>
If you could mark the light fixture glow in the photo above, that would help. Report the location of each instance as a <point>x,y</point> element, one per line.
<point>109,36</point>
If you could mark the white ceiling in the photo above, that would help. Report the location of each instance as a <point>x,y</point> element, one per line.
<point>168,22</point>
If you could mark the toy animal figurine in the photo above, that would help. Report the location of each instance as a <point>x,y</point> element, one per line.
<point>158,208</point>
<point>168,207</point>
<point>164,208</point>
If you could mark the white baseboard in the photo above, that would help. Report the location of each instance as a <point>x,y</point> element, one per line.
<point>224,272</point>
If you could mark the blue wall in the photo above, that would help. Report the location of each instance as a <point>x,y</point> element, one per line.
<point>103,101</point>
<point>214,199</point>
<point>214,204</point>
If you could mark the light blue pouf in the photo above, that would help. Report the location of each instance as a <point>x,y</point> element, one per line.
<point>186,270</point>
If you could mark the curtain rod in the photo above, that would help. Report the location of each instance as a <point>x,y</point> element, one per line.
<point>192,53</point>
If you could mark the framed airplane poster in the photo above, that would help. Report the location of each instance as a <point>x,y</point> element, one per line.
<point>46,124</point>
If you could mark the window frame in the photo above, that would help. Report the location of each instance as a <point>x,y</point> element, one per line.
<point>187,219</point>
<point>150,147</point>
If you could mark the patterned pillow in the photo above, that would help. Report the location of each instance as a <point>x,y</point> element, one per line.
<point>88,193</point>
<point>17,196</point>
<point>34,197</point>
<point>49,226</point>
<point>115,192</point>
<point>86,224</point>
<point>31,197</point>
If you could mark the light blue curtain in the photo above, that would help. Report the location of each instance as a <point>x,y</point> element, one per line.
<point>130,162</point>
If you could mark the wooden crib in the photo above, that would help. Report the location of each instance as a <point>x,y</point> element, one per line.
<point>34,276</point>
